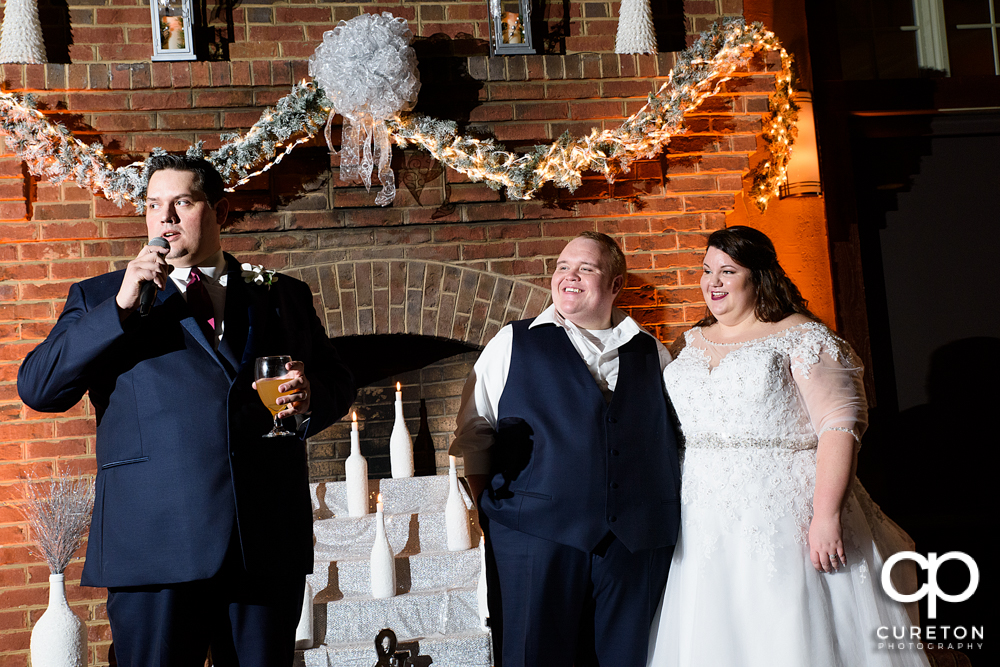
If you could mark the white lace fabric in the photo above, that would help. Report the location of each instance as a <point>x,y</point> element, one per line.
<point>791,385</point>
<point>742,590</point>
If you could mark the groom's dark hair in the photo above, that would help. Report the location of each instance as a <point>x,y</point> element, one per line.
<point>206,176</point>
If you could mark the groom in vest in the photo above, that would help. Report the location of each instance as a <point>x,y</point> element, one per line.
<point>564,423</point>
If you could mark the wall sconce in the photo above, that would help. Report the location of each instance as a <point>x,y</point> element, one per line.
<point>173,37</point>
<point>803,167</point>
<point>510,27</point>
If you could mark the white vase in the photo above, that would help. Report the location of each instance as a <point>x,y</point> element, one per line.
<point>400,445</point>
<point>59,638</point>
<point>456,514</point>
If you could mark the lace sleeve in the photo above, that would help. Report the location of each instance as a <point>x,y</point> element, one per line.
<point>829,379</point>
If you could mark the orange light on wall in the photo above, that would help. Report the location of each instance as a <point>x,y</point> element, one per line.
<point>803,166</point>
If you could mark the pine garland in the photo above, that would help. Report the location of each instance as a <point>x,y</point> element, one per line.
<point>699,73</point>
<point>51,151</point>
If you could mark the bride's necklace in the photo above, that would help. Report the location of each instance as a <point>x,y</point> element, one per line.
<point>712,342</point>
<point>748,340</point>
<point>742,341</point>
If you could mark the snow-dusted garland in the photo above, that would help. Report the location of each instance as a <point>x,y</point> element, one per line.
<point>52,152</point>
<point>699,73</point>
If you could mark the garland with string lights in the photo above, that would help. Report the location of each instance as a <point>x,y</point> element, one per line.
<point>699,73</point>
<point>51,151</point>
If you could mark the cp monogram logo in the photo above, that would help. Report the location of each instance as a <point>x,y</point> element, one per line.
<point>931,589</point>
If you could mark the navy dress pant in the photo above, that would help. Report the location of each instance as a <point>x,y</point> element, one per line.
<point>562,607</point>
<point>247,621</point>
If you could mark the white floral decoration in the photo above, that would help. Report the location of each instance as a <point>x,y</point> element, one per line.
<point>258,275</point>
<point>369,72</point>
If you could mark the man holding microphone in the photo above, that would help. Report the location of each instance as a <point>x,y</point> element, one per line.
<point>202,528</point>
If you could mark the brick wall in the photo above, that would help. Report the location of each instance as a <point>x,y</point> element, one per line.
<point>450,258</point>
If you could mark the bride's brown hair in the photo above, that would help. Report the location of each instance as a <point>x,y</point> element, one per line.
<point>777,295</point>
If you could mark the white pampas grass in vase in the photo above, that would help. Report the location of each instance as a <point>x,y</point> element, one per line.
<point>58,520</point>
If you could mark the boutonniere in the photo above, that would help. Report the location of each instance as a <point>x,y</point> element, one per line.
<point>258,275</point>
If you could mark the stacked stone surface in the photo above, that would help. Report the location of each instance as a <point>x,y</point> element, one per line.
<point>434,612</point>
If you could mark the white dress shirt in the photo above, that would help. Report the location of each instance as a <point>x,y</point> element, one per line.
<point>477,414</point>
<point>215,278</point>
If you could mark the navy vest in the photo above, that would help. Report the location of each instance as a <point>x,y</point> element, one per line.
<point>569,467</point>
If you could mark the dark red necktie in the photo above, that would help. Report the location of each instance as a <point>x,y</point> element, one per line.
<point>200,304</point>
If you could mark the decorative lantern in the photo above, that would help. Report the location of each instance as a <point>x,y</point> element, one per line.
<point>173,37</point>
<point>802,175</point>
<point>510,27</point>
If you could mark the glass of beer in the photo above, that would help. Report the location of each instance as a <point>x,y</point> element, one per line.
<point>269,374</point>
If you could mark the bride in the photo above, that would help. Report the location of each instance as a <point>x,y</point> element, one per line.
<point>780,552</point>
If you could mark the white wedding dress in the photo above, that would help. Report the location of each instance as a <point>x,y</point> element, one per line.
<point>742,591</point>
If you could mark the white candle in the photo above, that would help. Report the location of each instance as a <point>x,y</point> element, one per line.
<point>400,444</point>
<point>382,563</point>
<point>356,473</point>
<point>456,515</point>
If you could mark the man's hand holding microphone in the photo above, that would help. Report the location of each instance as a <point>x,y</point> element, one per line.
<point>145,274</point>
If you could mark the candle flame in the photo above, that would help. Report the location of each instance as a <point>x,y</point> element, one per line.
<point>354,416</point>
<point>378,499</point>
<point>399,387</point>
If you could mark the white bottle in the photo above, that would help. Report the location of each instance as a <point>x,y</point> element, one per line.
<point>304,631</point>
<point>481,598</point>
<point>456,515</point>
<point>400,444</point>
<point>382,564</point>
<point>356,472</point>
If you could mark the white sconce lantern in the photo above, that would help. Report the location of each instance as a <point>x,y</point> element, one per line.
<point>802,176</point>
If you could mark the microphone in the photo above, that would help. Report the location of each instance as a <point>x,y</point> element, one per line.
<point>147,293</point>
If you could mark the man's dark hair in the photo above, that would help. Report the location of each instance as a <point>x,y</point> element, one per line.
<point>206,176</point>
<point>776,295</point>
<point>612,252</point>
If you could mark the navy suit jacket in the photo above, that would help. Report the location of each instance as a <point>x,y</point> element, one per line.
<point>181,461</point>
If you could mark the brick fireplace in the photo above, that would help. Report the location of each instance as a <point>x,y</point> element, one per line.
<point>450,260</point>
